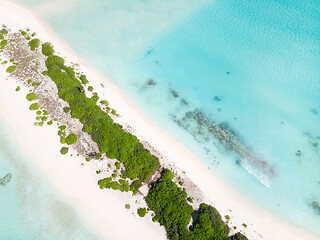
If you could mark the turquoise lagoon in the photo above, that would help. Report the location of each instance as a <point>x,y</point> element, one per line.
<point>31,209</point>
<point>248,67</point>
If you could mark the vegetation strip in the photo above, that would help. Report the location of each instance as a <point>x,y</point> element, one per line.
<point>165,198</point>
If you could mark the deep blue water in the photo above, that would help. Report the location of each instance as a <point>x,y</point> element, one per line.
<point>249,66</point>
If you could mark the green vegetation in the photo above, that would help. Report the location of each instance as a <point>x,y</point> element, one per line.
<point>142,212</point>
<point>98,171</point>
<point>3,43</point>
<point>180,183</point>
<point>190,200</point>
<point>104,102</point>
<point>23,33</point>
<point>47,49</point>
<point>122,185</point>
<point>110,137</point>
<point>169,203</point>
<point>44,118</point>
<point>71,139</point>
<point>117,164</point>
<point>90,88</point>
<point>34,106</point>
<point>209,224</point>
<point>18,89</point>
<point>1,36</point>
<point>134,186</point>
<point>88,159</point>
<point>227,217</point>
<point>245,225</point>
<point>34,43</point>
<point>127,206</point>
<point>64,150</point>
<point>50,122</point>
<point>11,69</point>
<point>238,236</point>
<point>83,79</point>
<point>66,109</point>
<point>31,96</point>
<point>4,62</point>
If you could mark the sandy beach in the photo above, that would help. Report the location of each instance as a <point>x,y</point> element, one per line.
<point>104,209</point>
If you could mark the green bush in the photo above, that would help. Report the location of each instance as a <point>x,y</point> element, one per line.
<point>169,203</point>
<point>64,150</point>
<point>3,43</point>
<point>238,236</point>
<point>31,96</point>
<point>90,88</point>
<point>104,102</point>
<point>117,164</point>
<point>167,175</point>
<point>209,224</point>
<point>190,200</point>
<point>34,106</point>
<point>47,49</point>
<point>142,212</point>
<point>34,43</point>
<point>18,89</point>
<point>71,139</point>
<point>122,185</point>
<point>50,122</point>
<point>127,206</point>
<point>134,187</point>
<point>1,36</point>
<point>11,69</point>
<point>83,79</point>
<point>44,118</point>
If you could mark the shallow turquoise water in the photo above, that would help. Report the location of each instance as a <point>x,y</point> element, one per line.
<point>30,207</point>
<point>250,66</point>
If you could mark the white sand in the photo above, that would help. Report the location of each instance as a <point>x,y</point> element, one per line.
<point>104,209</point>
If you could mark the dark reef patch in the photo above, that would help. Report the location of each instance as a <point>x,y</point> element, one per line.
<point>6,179</point>
<point>184,102</point>
<point>217,99</point>
<point>316,207</point>
<point>314,111</point>
<point>175,94</point>
<point>201,128</point>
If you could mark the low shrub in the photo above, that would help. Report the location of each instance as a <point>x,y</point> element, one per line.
<point>34,43</point>
<point>71,139</point>
<point>11,69</point>
<point>64,150</point>
<point>47,49</point>
<point>142,212</point>
<point>31,96</point>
